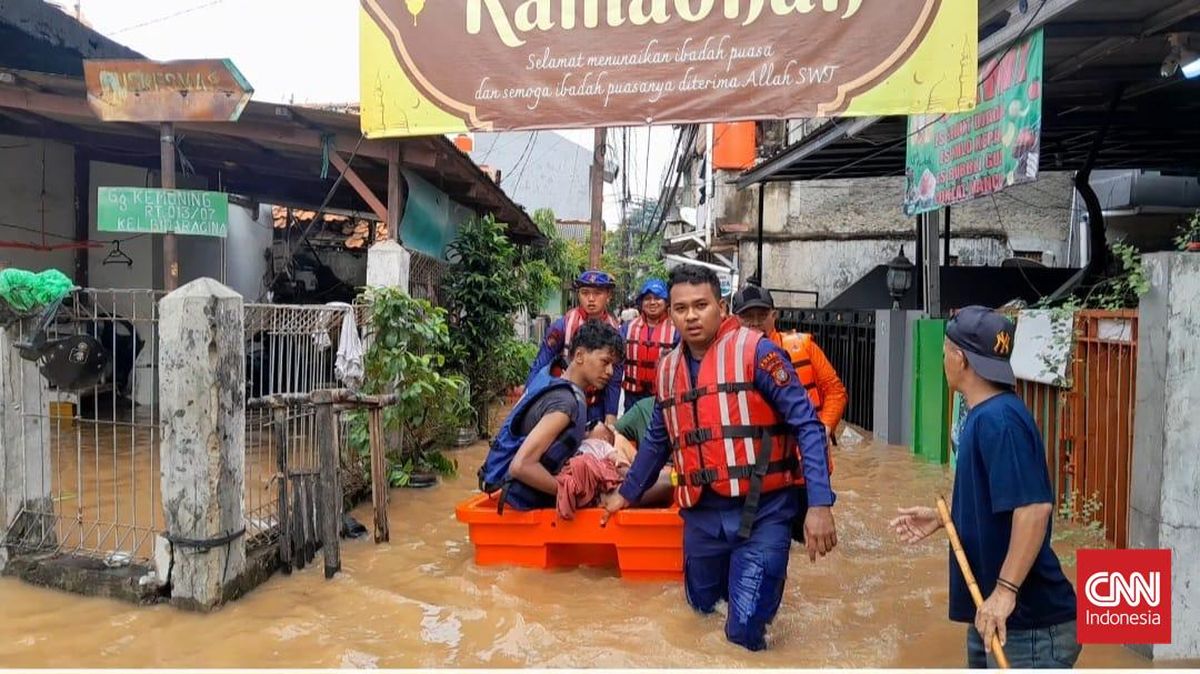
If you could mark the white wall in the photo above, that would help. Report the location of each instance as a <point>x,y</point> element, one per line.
<point>825,235</point>
<point>37,192</point>
<point>245,249</point>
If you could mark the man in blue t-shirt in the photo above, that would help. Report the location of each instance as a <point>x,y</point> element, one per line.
<point>1002,507</point>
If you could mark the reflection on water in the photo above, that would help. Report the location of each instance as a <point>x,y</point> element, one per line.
<point>420,601</point>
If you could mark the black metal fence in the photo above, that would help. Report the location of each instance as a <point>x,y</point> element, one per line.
<point>848,340</point>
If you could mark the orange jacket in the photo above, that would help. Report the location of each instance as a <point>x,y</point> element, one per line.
<point>825,388</point>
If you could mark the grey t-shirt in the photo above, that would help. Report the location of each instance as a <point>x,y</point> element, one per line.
<point>560,399</point>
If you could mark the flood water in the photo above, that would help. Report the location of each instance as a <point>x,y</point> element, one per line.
<point>420,601</point>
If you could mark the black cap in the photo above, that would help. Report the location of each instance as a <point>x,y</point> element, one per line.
<point>986,336</point>
<point>751,297</point>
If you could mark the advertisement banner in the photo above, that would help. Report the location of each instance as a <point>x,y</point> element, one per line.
<point>957,158</point>
<point>492,65</point>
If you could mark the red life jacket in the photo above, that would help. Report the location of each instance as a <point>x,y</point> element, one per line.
<point>722,429</point>
<point>642,355</point>
<point>572,321</point>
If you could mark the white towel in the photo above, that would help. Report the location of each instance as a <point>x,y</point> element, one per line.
<point>349,364</point>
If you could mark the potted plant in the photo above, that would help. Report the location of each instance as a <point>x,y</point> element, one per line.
<point>408,342</point>
<point>1189,235</point>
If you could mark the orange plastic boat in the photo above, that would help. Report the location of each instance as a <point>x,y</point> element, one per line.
<point>645,544</point>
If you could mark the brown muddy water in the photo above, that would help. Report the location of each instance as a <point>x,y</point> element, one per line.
<point>420,601</point>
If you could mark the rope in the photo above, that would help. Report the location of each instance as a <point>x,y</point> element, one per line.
<point>204,544</point>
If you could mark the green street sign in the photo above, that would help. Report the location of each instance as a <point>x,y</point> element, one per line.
<point>141,210</point>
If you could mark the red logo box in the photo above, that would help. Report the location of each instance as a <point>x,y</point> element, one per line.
<point>1124,596</point>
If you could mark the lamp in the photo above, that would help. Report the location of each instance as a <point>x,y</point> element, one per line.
<point>1181,57</point>
<point>899,277</point>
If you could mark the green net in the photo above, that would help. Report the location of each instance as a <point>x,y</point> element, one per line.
<point>26,291</point>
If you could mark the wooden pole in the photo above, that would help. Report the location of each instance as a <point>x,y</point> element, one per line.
<point>965,567</point>
<point>379,477</point>
<point>330,504</point>
<point>166,147</point>
<point>279,421</point>
<point>597,237</point>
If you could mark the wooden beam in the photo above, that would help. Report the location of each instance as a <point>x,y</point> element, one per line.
<point>293,135</point>
<point>83,189</point>
<point>397,193</point>
<point>418,157</point>
<point>359,186</point>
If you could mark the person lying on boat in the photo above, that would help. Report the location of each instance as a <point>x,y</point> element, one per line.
<point>549,423</point>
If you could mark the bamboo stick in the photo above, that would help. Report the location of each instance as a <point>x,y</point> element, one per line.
<point>965,567</point>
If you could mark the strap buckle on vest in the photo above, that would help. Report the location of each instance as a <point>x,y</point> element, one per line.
<point>697,436</point>
<point>750,508</point>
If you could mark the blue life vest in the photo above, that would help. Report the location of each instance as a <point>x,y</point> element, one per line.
<point>494,475</point>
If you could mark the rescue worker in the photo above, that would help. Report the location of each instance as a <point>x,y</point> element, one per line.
<point>732,412</point>
<point>648,337</point>
<point>547,425</point>
<point>594,290</point>
<point>755,307</point>
<point>1002,505</point>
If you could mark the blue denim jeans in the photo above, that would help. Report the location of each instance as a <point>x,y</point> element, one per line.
<point>1054,647</point>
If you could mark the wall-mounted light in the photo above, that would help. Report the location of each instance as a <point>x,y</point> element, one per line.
<point>1181,58</point>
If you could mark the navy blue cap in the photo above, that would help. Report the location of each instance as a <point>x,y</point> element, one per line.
<point>752,297</point>
<point>986,336</point>
<point>595,279</point>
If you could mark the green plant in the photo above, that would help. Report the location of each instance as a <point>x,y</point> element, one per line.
<point>408,343</point>
<point>485,287</point>
<point>1189,232</point>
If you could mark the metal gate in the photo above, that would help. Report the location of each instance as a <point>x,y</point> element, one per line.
<point>848,340</point>
<point>88,424</point>
<point>289,349</point>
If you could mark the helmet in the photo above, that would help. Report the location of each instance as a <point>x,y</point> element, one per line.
<point>595,279</point>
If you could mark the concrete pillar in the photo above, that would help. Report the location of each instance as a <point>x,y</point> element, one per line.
<point>1165,484</point>
<point>894,376</point>
<point>202,402</point>
<point>26,510</point>
<point>388,265</point>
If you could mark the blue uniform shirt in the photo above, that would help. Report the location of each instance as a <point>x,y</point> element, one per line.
<point>553,346</point>
<point>792,403</point>
<point>1001,466</point>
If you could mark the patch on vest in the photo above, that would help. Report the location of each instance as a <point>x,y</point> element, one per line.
<point>554,339</point>
<point>773,365</point>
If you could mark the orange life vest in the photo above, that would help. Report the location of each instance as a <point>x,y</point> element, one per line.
<point>797,344</point>
<point>642,355</point>
<point>722,430</point>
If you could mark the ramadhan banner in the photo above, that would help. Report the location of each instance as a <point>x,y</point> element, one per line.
<point>444,66</point>
<point>956,158</point>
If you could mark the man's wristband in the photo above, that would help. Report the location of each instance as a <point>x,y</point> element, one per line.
<point>1007,585</point>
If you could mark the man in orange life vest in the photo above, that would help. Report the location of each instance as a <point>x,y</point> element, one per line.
<point>755,307</point>
<point>647,338</point>
<point>594,290</point>
<point>743,434</point>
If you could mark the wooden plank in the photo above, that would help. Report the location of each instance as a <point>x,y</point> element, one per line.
<point>279,430</point>
<point>379,477</point>
<point>297,518</point>
<point>330,505</point>
<point>359,186</point>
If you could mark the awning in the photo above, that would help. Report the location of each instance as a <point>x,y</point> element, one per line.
<point>274,154</point>
<point>1093,49</point>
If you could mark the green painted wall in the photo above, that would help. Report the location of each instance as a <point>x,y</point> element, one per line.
<point>931,427</point>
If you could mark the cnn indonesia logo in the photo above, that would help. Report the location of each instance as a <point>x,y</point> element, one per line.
<point>1125,596</point>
